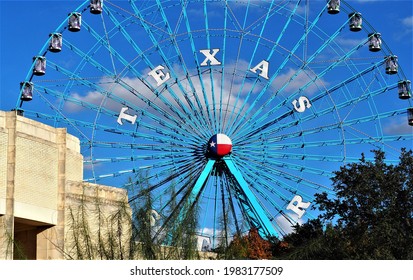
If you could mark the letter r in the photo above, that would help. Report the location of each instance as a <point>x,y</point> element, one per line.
<point>298,206</point>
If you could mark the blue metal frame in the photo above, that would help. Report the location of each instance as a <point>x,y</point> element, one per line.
<point>258,218</point>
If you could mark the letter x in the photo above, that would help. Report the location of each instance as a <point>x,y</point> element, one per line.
<point>210,57</point>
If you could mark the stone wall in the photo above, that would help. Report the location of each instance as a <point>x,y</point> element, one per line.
<point>98,222</point>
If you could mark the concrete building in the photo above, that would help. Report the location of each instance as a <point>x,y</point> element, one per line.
<point>41,192</point>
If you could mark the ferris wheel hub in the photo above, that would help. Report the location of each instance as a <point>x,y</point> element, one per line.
<point>219,145</point>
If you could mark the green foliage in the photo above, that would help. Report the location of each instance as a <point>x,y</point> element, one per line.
<point>311,241</point>
<point>173,238</point>
<point>371,216</point>
<point>374,206</point>
<point>237,249</point>
<point>94,234</point>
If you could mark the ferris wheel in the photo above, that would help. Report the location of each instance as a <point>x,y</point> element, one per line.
<point>241,109</point>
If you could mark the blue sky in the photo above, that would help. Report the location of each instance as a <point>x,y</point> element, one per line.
<point>25,26</point>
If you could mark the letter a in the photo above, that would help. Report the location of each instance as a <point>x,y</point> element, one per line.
<point>159,76</point>
<point>297,205</point>
<point>263,67</point>
<point>210,57</point>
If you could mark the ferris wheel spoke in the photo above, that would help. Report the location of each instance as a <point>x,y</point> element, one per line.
<point>209,119</point>
<point>99,39</point>
<point>257,182</point>
<point>128,66</point>
<point>211,77</point>
<point>273,8</point>
<point>319,97</point>
<point>164,172</point>
<point>274,159</point>
<point>188,199</point>
<point>171,147</point>
<point>275,174</point>
<point>161,118</point>
<point>263,25</point>
<point>338,125</point>
<point>276,146</point>
<point>164,129</point>
<point>115,71</point>
<point>177,215</point>
<point>301,180</point>
<point>185,69</point>
<point>232,118</point>
<point>162,155</point>
<point>162,139</point>
<point>264,187</point>
<point>335,107</point>
<point>223,64</point>
<point>281,67</point>
<point>164,179</point>
<point>317,77</point>
<point>238,27</point>
<point>167,60</point>
<point>235,206</point>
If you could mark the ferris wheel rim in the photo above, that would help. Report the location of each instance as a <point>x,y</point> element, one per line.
<point>191,125</point>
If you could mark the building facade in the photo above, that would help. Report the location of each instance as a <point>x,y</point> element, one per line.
<point>42,193</point>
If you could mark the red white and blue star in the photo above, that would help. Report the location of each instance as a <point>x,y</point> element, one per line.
<point>220,145</point>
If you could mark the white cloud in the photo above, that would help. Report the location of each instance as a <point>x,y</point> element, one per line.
<point>349,43</point>
<point>110,94</point>
<point>285,225</point>
<point>299,81</point>
<point>408,22</point>
<point>231,91</point>
<point>398,127</point>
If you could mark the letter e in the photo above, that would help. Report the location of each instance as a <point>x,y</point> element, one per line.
<point>159,76</point>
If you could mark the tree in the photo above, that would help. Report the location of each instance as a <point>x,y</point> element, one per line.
<point>143,229</point>
<point>258,248</point>
<point>373,207</point>
<point>97,228</point>
<point>237,249</point>
<point>170,234</point>
<point>371,216</point>
<point>251,246</point>
<point>311,241</point>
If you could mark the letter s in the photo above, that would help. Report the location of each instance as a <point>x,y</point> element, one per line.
<point>303,102</point>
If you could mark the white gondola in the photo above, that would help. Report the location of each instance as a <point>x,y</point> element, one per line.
<point>355,21</point>
<point>55,42</point>
<point>410,116</point>
<point>75,22</point>
<point>333,6</point>
<point>26,89</point>
<point>39,68</point>
<point>375,42</point>
<point>392,66</point>
<point>96,6</point>
<point>405,90</point>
